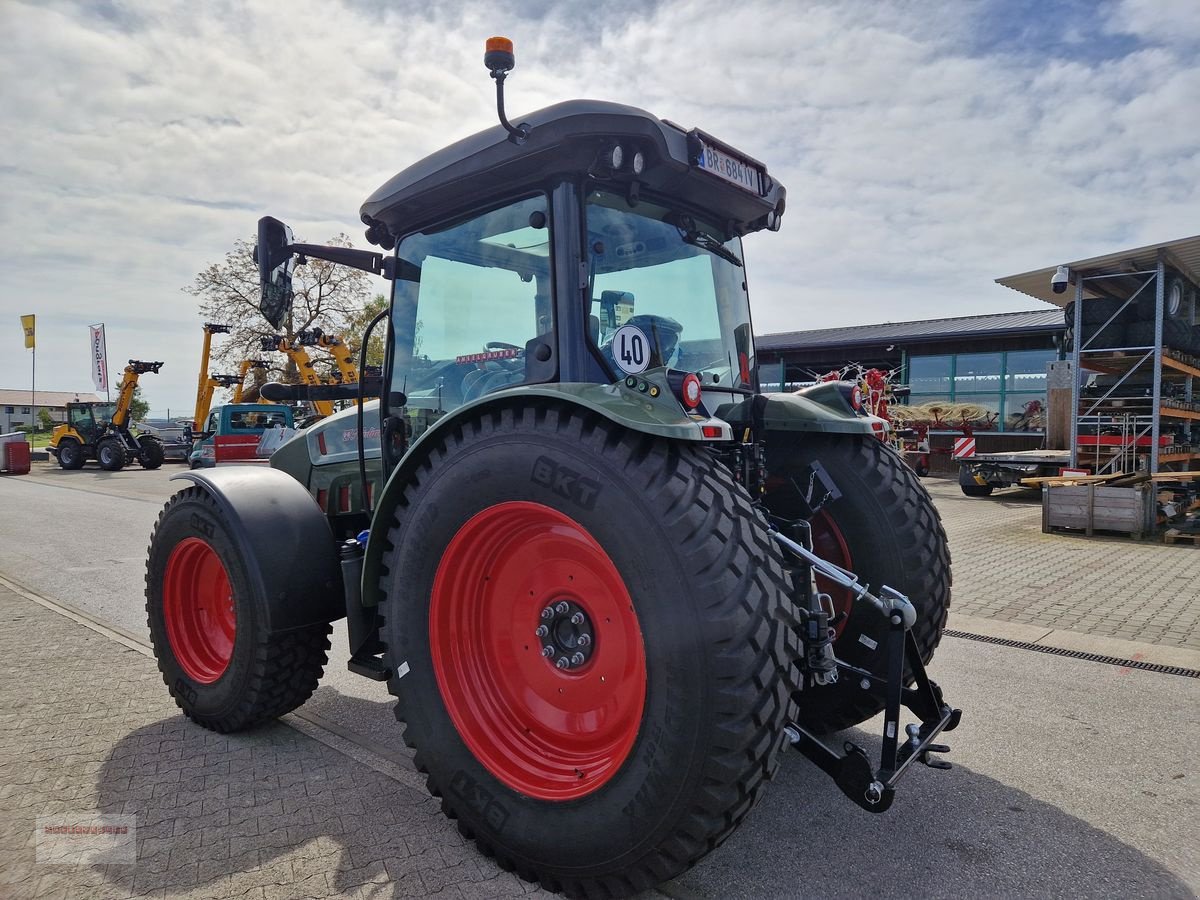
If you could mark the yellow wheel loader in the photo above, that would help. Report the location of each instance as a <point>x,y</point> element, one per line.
<point>100,431</point>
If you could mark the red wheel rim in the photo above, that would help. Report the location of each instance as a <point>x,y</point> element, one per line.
<point>198,610</point>
<point>548,733</point>
<point>830,545</point>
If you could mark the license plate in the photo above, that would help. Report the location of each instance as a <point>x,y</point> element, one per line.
<point>730,167</point>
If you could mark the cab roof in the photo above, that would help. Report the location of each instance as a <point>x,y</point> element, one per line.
<point>570,139</point>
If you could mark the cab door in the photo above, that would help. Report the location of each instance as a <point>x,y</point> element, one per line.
<point>83,420</point>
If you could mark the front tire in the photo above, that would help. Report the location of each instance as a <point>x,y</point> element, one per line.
<point>226,671</point>
<point>885,529</point>
<point>605,774</point>
<point>70,454</point>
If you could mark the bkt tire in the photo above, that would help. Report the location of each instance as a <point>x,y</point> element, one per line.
<point>70,454</point>
<point>885,529</point>
<point>224,669</point>
<point>592,638</point>
<point>110,453</point>
<point>150,452</point>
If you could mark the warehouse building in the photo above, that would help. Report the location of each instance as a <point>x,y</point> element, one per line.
<point>994,361</point>
<point>997,362</point>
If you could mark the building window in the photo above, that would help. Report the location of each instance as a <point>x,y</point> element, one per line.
<point>977,372</point>
<point>8,410</point>
<point>1025,370</point>
<point>25,410</point>
<point>1010,387</point>
<point>931,374</point>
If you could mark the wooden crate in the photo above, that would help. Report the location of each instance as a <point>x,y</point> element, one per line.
<point>1097,507</point>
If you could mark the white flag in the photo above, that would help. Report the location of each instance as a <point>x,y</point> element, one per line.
<point>99,358</point>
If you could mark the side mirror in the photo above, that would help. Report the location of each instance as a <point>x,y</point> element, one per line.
<point>275,265</point>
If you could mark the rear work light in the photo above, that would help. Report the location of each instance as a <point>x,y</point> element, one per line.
<point>689,391</point>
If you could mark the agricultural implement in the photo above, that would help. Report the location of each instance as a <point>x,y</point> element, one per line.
<point>606,578</point>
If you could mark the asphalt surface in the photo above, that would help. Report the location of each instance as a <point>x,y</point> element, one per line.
<point>1071,778</point>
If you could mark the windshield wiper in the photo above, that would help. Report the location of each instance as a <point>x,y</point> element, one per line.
<point>706,241</point>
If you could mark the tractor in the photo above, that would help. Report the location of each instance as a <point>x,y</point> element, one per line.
<point>606,578</point>
<point>100,431</point>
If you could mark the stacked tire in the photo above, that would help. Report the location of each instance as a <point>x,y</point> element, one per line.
<point>1134,326</point>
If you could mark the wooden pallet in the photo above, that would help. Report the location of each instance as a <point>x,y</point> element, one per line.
<point>1175,536</point>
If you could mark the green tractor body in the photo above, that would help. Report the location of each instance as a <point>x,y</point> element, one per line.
<point>605,576</point>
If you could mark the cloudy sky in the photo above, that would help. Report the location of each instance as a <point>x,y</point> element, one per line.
<point>927,147</point>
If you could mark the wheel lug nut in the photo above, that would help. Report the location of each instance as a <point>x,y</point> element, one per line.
<point>577,619</point>
<point>583,640</point>
<point>561,607</point>
<point>562,663</point>
<point>547,613</point>
<point>547,652</point>
<point>542,631</point>
<point>578,659</point>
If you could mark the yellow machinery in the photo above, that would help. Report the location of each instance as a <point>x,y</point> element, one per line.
<point>207,384</point>
<point>308,374</point>
<point>315,337</point>
<point>101,430</point>
<point>243,370</point>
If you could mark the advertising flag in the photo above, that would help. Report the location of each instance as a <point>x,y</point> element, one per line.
<point>99,357</point>
<point>27,324</point>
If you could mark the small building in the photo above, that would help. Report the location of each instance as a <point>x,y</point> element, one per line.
<point>17,406</point>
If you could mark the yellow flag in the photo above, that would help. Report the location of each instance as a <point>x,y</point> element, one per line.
<point>27,324</point>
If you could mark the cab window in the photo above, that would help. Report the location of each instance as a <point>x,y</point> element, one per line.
<point>471,296</point>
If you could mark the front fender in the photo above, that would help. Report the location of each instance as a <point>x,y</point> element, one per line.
<point>661,416</point>
<point>285,539</point>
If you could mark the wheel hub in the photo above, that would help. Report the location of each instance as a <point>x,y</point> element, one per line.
<point>567,635</point>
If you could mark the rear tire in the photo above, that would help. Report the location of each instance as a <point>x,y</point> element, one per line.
<point>150,452</point>
<point>225,670</point>
<point>70,454</point>
<point>593,790</point>
<point>110,453</point>
<point>885,529</point>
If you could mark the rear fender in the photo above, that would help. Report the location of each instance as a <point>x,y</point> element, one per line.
<point>662,416</point>
<point>821,408</point>
<point>291,555</point>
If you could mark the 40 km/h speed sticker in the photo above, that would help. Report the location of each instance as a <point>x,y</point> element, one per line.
<point>631,349</point>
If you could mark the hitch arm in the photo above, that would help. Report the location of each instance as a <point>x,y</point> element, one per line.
<point>874,789</point>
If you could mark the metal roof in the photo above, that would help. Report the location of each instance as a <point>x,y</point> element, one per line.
<point>995,325</point>
<point>44,398</point>
<point>1182,254</point>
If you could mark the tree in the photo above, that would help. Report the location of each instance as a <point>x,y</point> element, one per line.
<point>46,419</point>
<point>138,407</point>
<point>357,326</point>
<point>327,296</point>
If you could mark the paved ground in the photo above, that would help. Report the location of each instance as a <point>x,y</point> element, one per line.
<point>86,725</point>
<point>1064,787</point>
<point>1005,569</point>
<point>1069,780</point>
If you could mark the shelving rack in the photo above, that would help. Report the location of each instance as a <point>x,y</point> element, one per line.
<point>1137,419</point>
<point>1146,414</point>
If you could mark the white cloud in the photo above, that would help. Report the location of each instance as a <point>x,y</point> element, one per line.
<point>926,148</point>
